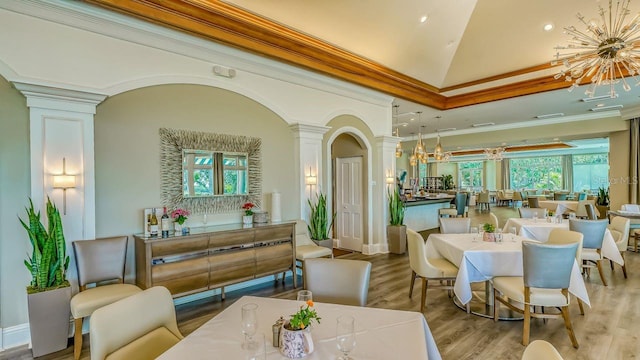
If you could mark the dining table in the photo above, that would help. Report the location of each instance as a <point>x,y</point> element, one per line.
<point>564,206</point>
<point>380,333</point>
<point>481,261</point>
<point>539,229</point>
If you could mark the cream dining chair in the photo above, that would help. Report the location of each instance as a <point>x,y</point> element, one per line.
<point>493,220</point>
<point>541,350</point>
<point>140,327</point>
<point>427,268</point>
<point>593,234</point>
<point>454,225</point>
<point>620,231</point>
<point>338,281</point>
<point>545,282</point>
<point>562,237</point>
<point>98,261</point>
<point>528,213</point>
<point>307,249</point>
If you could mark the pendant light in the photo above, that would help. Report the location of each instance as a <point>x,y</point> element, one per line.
<point>438,152</point>
<point>413,159</point>
<point>419,151</point>
<point>399,144</point>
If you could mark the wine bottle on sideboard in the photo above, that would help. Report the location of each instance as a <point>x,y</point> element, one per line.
<point>153,227</point>
<point>165,223</point>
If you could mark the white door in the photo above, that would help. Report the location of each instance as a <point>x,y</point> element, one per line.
<point>349,202</point>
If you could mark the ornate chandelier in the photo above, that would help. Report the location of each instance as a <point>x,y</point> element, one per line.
<point>399,144</point>
<point>603,53</point>
<point>495,154</point>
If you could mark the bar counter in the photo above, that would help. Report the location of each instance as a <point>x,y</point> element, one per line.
<point>422,212</point>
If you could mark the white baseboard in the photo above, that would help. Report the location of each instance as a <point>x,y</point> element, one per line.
<point>375,249</point>
<point>15,336</point>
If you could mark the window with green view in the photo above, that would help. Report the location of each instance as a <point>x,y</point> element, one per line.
<point>536,173</point>
<point>470,174</point>
<point>590,171</point>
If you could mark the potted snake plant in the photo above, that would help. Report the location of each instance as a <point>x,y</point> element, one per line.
<point>396,230</point>
<point>319,223</point>
<point>49,293</point>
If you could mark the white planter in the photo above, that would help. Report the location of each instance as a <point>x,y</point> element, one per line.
<point>247,219</point>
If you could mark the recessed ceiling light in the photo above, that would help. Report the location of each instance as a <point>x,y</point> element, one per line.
<point>548,27</point>
<point>603,108</point>
<point>424,18</point>
<point>413,119</point>
<point>446,129</point>
<point>483,124</point>
<point>598,98</point>
<point>404,125</point>
<point>556,139</point>
<point>600,105</point>
<point>546,116</point>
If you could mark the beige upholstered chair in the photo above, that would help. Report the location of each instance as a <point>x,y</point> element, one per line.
<point>562,236</point>
<point>140,327</point>
<point>530,212</point>
<point>98,261</point>
<point>493,219</point>
<point>591,211</point>
<point>454,225</point>
<point>427,268</point>
<point>581,209</point>
<point>620,231</point>
<point>338,281</point>
<point>483,200</point>
<point>534,202</point>
<point>593,235</point>
<point>541,350</point>
<point>518,197</point>
<point>504,197</point>
<point>306,248</point>
<point>545,283</point>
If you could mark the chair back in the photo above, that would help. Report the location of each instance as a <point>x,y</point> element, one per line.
<point>562,236</point>
<point>338,281</point>
<point>141,326</point>
<point>100,260</point>
<point>591,211</point>
<point>559,196</point>
<point>493,219</point>
<point>461,202</point>
<point>592,231</point>
<point>455,225</point>
<point>517,196</point>
<point>483,197</point>
<point>630,208</point>
<point>534,202</point>
<point>302,234</point>
<point>547,266</point>
<point>621,226</point>
<point>528,213</point>
<point>582,196</point>
<point>418,260</point>
<point>581,209</point>
<point>540,349</point>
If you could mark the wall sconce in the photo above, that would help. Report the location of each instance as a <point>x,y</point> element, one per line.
<point>311,180</point>
<point>64,181</point>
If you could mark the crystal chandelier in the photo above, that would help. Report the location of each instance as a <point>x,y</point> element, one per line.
<point>495,154</point>
<point>602,53</point>
<point>399,144</point>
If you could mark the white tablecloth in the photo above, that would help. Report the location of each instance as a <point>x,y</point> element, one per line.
<point>540,229</point>
<point>380,333</point>
<point>480,261</point>
<point>563,206</point>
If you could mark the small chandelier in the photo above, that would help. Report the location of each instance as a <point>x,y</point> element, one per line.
<point>495,154</point>
<point>399,144</point>
<point>603,52</point>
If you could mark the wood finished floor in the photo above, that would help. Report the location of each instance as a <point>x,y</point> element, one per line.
<point>609,330</point>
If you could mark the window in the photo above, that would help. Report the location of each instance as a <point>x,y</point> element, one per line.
<point>422,174</point>
<point>590,171</point>
<point>212,173</point>
<point>470,174</point>
<point>536,173</point>
<point>235,174</point>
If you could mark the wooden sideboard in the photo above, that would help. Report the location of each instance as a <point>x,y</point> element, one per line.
<point>215,257</point>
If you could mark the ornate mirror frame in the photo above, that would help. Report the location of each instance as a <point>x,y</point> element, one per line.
<point>173,141</point>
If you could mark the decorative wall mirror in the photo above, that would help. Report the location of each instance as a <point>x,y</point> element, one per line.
<point>214,173</point>
<point>192,179</point>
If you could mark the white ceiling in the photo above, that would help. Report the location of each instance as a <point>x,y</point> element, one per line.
<point>462,41</point>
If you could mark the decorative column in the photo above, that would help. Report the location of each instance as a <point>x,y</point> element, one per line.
<point>308,160</point>
<point>385,166</point>
<point>61,131</point>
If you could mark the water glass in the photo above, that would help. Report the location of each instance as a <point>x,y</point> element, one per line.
<point>535,217</point>
<point>513,231</point>
<point>305,295</point>
<point>249,323</point>
<point>345,336</point>
<point>498,235</point>
<point>257,349</point>
<point>474,231</point>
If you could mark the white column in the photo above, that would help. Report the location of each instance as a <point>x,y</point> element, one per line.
<point>308,160</point>
<point>385,147</point>
<point>61,126</point>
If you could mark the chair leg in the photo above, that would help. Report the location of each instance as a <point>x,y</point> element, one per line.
<point>567,324</point>
<point>581,307</point>
<point>77,339</point>
<point>496,305</point>
<point>611,264</point>
<point>624,265</point>
<point>424,294</point>
<point>599,265</point>
<point>526,327</point>
<point>413,280</point>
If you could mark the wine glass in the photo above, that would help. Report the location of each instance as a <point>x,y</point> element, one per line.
<point>305,295</point>
<point>498,235</point>
<point>345,336</point>
<point>249,323</point>
<point>474,231</point>
<point>513,231</point>
<point>257,350</point>
<point>535,217</point>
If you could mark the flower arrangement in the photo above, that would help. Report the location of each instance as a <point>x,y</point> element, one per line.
<point>180,215</point>
<point>247,208</point>
<point>302,319</point>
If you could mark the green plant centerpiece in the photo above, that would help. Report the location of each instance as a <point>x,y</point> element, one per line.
<point>319,222</point>
<point>49,292</point>
<point>603,202</point>
<point>396,231</point>
<point>447,182</point>
<point>489,232</point>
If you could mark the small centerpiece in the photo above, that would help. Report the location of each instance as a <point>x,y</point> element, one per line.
<point>247,218</point>
<point>489,232</point>
<point>179,216</point>
<point>295,335</point>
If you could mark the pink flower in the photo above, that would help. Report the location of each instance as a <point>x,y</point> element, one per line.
<point>180,215</point>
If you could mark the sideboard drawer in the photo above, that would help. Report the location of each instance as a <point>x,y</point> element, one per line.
<point>179,269</point>
<point>179,246</point>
